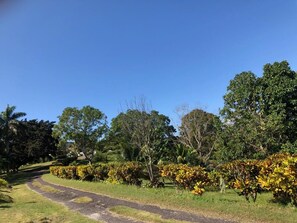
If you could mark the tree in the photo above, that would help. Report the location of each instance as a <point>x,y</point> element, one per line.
<point>119,140</point>
<point>259,114</point>
<point>197,132</point>
<point>279,97</point>
<point>8,123</point>
<point>147,134</point>
<point>242,133</point>
<point>84,127</point>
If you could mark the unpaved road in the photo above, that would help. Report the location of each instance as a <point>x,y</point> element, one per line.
<point>98,208</point>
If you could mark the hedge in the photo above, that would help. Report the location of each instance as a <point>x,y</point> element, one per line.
<point>277,173</point>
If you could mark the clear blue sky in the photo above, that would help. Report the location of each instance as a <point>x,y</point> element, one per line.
<point>55,54</point>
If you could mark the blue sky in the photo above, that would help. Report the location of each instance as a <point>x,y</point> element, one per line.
<point>55,54</point>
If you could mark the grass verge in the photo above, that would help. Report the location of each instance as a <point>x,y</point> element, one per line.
<point>228,205</point>
<point>141,215</point>
<point>45,188</point>
<point>82,200</point>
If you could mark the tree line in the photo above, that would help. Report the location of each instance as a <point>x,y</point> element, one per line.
<point>259,118</point>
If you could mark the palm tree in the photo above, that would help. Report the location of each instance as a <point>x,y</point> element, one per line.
<point>8,125</point>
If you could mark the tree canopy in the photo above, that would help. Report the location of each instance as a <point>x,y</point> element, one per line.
<point>83,127</point>
<point>259,113</point>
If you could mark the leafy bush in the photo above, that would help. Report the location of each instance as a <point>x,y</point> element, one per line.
<point>85,172</point>
<point>243,175</point>
<point>100,172</point>
<point>279,175</point>
<point>66,172</point>
<point>126,173</point>
<point>183,176</point>
<point>214,181</point>
<point>54,170</point>
<point>3,197</point>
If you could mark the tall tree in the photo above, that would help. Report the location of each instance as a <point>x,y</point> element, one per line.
<point>259,114</point>
<point>279,97</point>
<point>84,127</point>
<point>8,123</point>
<point>32,142</point>
<point>198,132</point>
<point>148,134</point>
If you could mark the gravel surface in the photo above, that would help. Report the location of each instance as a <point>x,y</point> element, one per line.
<point>98,208</point>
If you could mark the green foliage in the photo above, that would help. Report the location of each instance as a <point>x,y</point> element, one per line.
<point>100,172</point>
<point>8,129</point>
<point>143,136</point>
<point>65,172</point>
<point>259,114</point>
<point>85,172</point>
<point>279,175</point>
<point>243,175</point>
<point>198,132</point>
<point>23,141</point>
<point>126,173</point>
<point>3,197</point>
<point>84,127</point>
<point>186,177</point>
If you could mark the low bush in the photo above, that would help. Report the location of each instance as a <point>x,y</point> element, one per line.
<point>183,176</point>
<point>100,172</point>
<point>243,175</point>
<point>85,172</point>
<point>66,172</point>
<point>126,173</point>
<point>4,198</point>
<point>277,173</point>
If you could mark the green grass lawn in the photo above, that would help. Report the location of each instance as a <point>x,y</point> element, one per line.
<point>30,207</point>
<point>215,204</point>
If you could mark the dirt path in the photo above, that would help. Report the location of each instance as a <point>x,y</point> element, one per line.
<point>98,208</point>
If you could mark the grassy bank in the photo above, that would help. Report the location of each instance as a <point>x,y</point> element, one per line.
<point>29,206</point>
<point>228,205</point>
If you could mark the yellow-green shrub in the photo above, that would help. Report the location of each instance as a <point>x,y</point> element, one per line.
<point>183,176</point>
<point>126,173</point>
<point>100,172</point>
<point>243,175</point>
<point>4,197</point>
<point>85,172</point>
<point>65,172</point>
<point>279,175</point>
<point>54,170</point>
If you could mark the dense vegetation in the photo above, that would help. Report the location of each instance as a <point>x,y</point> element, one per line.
<point>277,173</point>
<point>259,119</point>
<point>24,141</point>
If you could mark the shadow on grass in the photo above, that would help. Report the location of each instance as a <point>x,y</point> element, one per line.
<point>26,175</point>
<point>4,206</point>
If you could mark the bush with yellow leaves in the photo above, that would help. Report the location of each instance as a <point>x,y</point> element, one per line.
<point>279,175</point>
